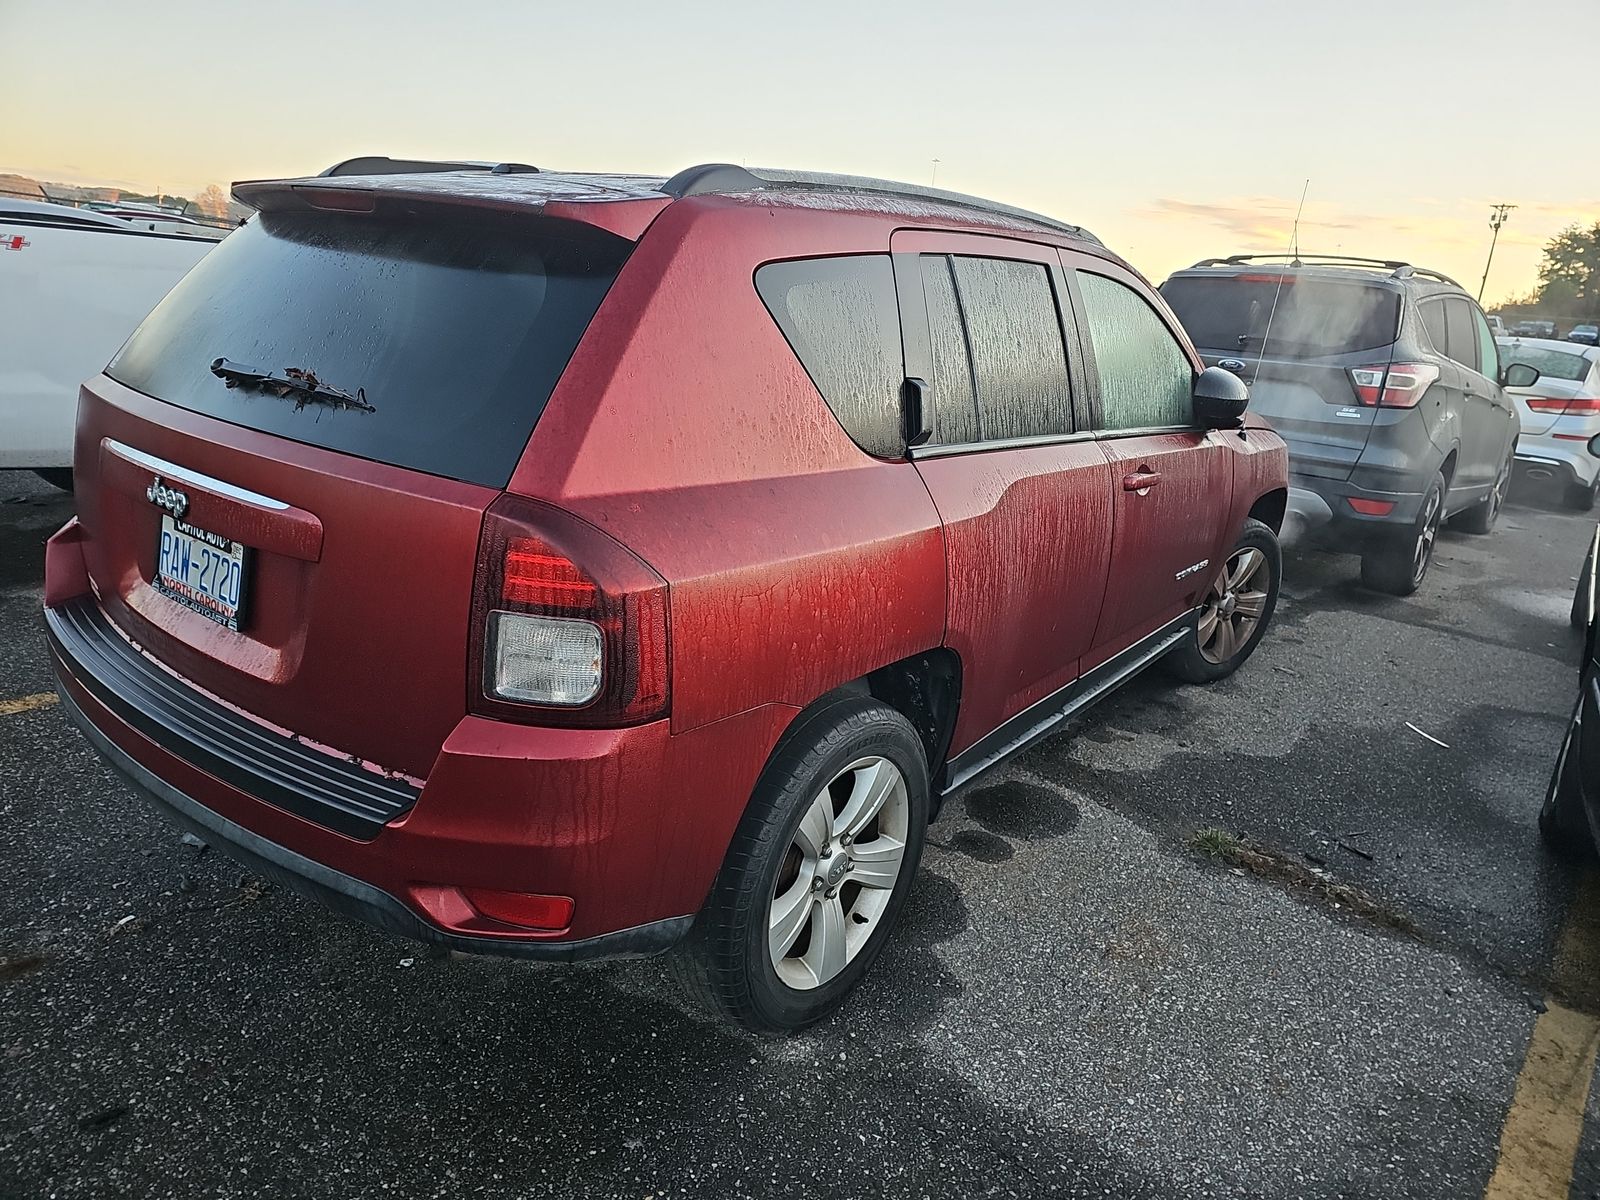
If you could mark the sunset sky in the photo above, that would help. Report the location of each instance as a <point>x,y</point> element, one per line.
<point>1173,130</point>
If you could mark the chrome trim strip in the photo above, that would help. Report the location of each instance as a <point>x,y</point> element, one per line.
<point>173,471</point>
<point>942,449</point>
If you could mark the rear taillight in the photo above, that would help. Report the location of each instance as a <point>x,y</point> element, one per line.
<point>1397,385</point>
<point>569,627</point>
<point>1551,404</point>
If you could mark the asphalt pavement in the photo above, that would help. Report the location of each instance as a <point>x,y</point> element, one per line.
<point>1080,1003</point>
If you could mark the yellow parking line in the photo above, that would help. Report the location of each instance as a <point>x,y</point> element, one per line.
<point>1539,1141</point>
<point>22,704</point>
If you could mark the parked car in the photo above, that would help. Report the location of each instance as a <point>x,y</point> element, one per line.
<point>1569,818</point>
<point>580,565</point>
<point>73,284</point>
<point>1534,329</point>
<point>1385,382</point>
<point>1587,334</point>
<point>1496,325</point>
<point>1559,413</point>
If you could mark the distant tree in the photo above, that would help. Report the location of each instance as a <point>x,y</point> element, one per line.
<point>213,201</point>
<point>1569,278</point>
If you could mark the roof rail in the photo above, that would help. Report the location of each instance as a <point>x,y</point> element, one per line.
<point>1397,269</point>
<point>1304,260</point>
<point>380,164</point>
<point>712,178</point>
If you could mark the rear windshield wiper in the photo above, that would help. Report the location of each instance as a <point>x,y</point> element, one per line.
<point>302,384</point>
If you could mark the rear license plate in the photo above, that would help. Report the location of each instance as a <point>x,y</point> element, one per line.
<point>201,570</point>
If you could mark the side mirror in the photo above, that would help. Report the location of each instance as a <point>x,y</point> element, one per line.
<point>1220,398</point>
<point>1594,445</point>
<point>1519,375</point>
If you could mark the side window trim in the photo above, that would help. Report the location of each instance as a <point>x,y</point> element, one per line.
<point>918,342</point>
<point>1076,264</point>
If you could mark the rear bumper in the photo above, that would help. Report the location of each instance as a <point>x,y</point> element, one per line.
<point>631,824</point>
<point>1324,507</point>
<point>345,894</point>
<point>1547,459</point>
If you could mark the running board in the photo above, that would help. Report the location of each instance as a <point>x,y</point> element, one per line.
<point>1044,718</point>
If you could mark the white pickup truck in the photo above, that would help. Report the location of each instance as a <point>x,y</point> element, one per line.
<point>73,285</point>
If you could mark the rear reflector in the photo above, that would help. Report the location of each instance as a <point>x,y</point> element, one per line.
<point>526,909</point>
<point>1393,385</point>
<point>1573,437</point>
<point>1371,508</point>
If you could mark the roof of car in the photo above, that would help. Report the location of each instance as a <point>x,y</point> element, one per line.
<point>518,185</point>
<point>1327,266</point>
<point>1580,348</point>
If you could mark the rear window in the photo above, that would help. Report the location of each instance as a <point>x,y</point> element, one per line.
<point>1551,364</point>
<point>454,331</point>
<point>1314,316</point>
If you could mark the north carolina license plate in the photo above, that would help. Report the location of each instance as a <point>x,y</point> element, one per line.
<point>201,570</point>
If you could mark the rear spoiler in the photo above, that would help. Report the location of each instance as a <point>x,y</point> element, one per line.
<point>420,190</point>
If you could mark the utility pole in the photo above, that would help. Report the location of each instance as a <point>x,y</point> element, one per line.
<point>1495,221</point>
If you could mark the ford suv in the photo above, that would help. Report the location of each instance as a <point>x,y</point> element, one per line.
<point>1386,382</point>
<point>567,566</point>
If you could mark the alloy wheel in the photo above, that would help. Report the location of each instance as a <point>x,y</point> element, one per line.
<point>839,873</point>
<point>1234,605</point>
<point>1423,551</point>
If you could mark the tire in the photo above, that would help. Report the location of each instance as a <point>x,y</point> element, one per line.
<point>795,831</point>
<point>1579,497</point>
<point>1226,633</point>
<point>60,477</point>
<point>1480,518</point>
<point>1398,565</point>
<point>1582,600</point>
<point>1562,823</point>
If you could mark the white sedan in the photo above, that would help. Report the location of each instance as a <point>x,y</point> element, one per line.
<point>1560,412</point>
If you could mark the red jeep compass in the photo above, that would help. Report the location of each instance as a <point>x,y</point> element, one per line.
<point>567,566</point>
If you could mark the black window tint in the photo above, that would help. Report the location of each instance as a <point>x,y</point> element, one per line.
<point>1146,379</point>
<point>1018,360</point>
<point>456,332</point>
<point>1433,321</point>
<point>1461,338</point>
<point>841,317</point>
<point>1310,316</point>
<point>955,403</point>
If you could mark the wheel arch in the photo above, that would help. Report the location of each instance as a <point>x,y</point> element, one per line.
<point>1269,508</point>
<point>925,688</point>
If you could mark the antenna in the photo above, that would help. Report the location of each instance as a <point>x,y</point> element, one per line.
<point>1294,248</point>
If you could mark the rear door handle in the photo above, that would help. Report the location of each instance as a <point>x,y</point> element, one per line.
<point>1140,481</point>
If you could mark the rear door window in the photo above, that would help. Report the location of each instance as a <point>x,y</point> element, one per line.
<point>1461,339</point>
<point>1000,367</point>
<point>1146,379</point>
<point>1014,335</point>
<point>841,317</point>
<point>1488,352</point>
<point>1309,316</point>
<point>453,330</point>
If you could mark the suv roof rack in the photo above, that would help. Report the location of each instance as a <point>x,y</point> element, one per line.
<point>382,164</point>
<point>1396,268</point>
<point>718,178</point>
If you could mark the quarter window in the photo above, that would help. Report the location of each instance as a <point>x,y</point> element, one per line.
<point>841,317</point>
<point>1146,379</point>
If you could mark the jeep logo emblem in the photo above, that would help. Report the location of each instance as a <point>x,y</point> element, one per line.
<point>171,499</point>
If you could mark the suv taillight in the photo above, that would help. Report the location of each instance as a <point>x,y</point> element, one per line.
<point>1402,388</point>
<point>569,627</point>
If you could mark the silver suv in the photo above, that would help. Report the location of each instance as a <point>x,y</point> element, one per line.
<point>1385,381</point>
